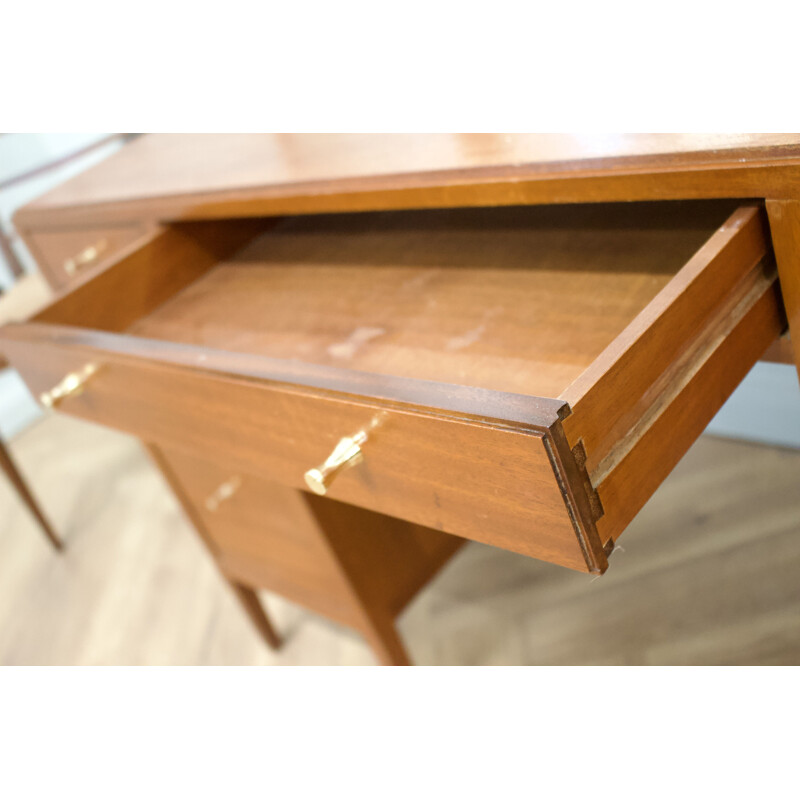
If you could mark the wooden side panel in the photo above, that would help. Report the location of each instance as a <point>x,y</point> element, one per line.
<point>388,559</point>
<point>784,221</point>
<point>627,378</point>
<point>626,489</point>
<point>492,482</point>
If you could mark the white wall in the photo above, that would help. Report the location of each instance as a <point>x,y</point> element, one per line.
<point>765,407</point>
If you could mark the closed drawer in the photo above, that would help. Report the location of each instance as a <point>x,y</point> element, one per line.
<point>63,254</point>
<point>524,377</point>
<point>265,535</point>
<point>261,534</point>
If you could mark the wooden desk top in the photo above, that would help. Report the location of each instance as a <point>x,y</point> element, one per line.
<point>201,176</point>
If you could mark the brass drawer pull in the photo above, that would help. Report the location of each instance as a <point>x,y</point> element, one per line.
<point>72,384</point>
<point>85,257</point>
<point>346,454</point>
<point>223,492</point>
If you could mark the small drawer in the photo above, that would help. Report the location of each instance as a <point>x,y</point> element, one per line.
<point>261,534</point>
<point>524,377</point>
<point>265,535</point>
<point>64,254</point>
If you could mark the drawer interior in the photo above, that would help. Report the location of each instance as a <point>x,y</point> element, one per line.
<point>517,300</point>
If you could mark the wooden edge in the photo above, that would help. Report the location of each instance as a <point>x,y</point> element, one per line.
<point>738,172</point>
<point>581,501</point>
<point>618,387</point>
<point>739,230</point>
<point>784,222</point>
<point>498,409</point>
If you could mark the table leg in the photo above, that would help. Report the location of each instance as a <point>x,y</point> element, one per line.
<point>10,469</point>
<point>252,606</point>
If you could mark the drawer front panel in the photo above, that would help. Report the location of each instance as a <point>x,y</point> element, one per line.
<point>462,476</point>
<point>307,548</point>
<point>262,534</point>
<point>65,254</point>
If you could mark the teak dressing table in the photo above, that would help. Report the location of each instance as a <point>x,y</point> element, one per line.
<point>349,353</point>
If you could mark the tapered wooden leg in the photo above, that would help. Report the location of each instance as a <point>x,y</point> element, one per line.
<point>249,601</point>
<point>382,637</point>
<point>18,482</point>
<point>369,562</point>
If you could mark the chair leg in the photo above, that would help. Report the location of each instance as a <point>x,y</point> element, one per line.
<point>252,606</point>
<point>18,482</point>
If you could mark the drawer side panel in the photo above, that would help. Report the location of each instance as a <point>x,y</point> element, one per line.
<point>633,480</point>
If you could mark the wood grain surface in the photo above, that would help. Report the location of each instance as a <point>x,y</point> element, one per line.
<point>186,176</point>
<point>518,300</point>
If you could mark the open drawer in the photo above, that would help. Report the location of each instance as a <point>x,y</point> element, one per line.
<point>524,377</point>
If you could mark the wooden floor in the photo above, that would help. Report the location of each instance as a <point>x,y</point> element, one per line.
<point>708,575</point>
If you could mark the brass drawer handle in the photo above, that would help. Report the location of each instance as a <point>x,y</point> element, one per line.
<point>85,257</point>
<point>223,492</point>
<point>72,384</point>
<point>346,454</point>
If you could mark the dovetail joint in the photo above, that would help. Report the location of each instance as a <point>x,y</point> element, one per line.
<point>579,454</point>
